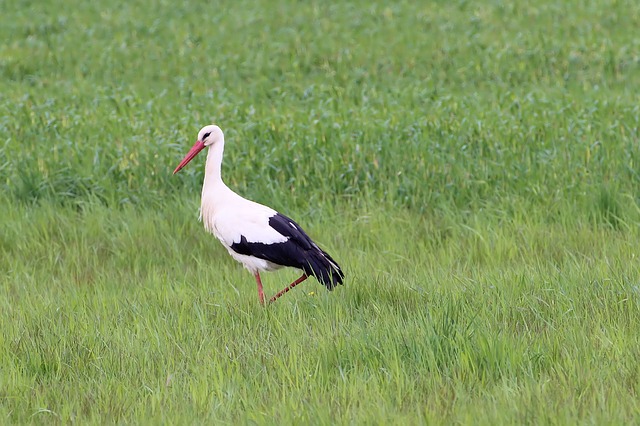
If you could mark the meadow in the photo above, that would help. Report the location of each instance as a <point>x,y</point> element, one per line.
<point>473,166</point>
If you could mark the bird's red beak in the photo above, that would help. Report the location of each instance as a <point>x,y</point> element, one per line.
<point>195,149</point>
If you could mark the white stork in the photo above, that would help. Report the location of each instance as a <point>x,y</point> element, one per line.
<point>255,235</point>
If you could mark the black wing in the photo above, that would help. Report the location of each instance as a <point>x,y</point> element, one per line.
<point>299,251</point>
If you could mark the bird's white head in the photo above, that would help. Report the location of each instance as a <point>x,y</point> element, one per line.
<point>207,136</point>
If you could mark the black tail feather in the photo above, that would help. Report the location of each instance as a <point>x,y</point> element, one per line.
<point>320,265</point>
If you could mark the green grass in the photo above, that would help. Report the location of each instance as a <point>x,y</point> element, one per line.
<point>473,166</point>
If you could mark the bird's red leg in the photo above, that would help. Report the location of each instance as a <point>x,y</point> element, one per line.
<point>260,291</point>
<point>292,285</point>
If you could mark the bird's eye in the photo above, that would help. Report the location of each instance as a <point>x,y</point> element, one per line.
<point>206,135</point>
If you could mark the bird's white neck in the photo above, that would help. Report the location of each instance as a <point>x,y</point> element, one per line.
<point>212,171</point>
<point>214,191</point>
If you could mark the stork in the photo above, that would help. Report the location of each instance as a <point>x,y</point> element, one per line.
<point>255,235</point>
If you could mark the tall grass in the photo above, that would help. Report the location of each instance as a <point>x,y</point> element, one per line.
<point>423,106</point>
<point>472,166</point>
<point>138,315</point>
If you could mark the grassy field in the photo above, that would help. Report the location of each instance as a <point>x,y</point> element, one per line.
<point>473,166</point>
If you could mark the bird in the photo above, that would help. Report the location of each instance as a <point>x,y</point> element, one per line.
<point>255,235</point>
